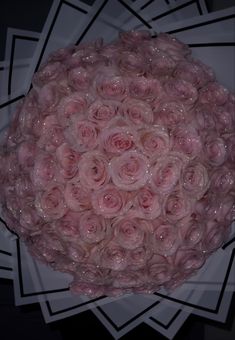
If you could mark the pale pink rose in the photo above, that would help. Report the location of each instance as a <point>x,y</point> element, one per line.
<point>195,180</point>
<point>111,51</point>
<point>26,153</point>
<point>48,97</point>
<point>222,180</point>
<point>224,119</point>
<point>166,172</point>
<point>83,134</point>
<point>191,231</point>
<point>92,228</point>
<point>128,279</point>
<point>111,86</point>
<point>93,170</point>
<point>131,63</point>
<point>50,203</point>
<point>230,146</point>
<point>165,238</point>
<point>114,257</point>
<point>110,201</point>
<point>52,134</point>
<point>79,78</point>
<point>85,288</point>
<point>137,112</point>
<point>48,72</point>
<point>159,270</point>
<point>67,225</point>
<point>23,186</point>
<point>147,204</point>
<point>133,38</point>
<point>138,257</point>
<point>68,160</point>
<point>182,90</point>
<point>162,64</point>
<point>186,139</point>
<point>177,206</point>
<point>154,142</point>
<point>204,115</point>
<point>116,140</point>
<point>29,218</point>
<point>174,47</point>
<point>213,93</point>
<point>101,112</point>
<point>91,273</point>
<point>44,170</point>
<point>145,88</point>
<point>130,233</point>
<point>189,259</point>
<point>77,252</point>
<point>170,114</point>
<point>70,106</point>
<point>214,149</point>
<point>76,196</point>
<point>214,237</point>
<point>194,72</point>
<point>130,171</point>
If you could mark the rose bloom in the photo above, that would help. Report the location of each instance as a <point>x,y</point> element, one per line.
<point>204,117</point>
<point>26,153</point>
<point>76,196</point>
<point>178,89</point>
<point>68,160</point>
<point>145,88</point>
<point>87,288</point>
<point>195,180</point>
<point>165,238</point>
<point>174,47</point>
<point>110,201</point>
<point>48,97</point>
<point>224,118</point>
<point>50,203</point>
<point>162,64</point>
<point>51,71</point>
<point>83,134</point>
<point>116,140</point>
<point>114,257</point>
<point>230,145</point>
<point>177,206</point>
<point>67,226</point>
<point>215,235</point>
<point>138,257</point>
<point>147,204</point>
<point>137,112</point>
<point>214,150</point>
<point>133,38</point>
<point>51,135</point>
<point>159,270</point>
<point>93,170</point>
<point>131,63</point>
<point>154,142</point>
<point>191,231</point>
<point>186,139</point>
<point>166,172</point>
<point>128,279</point>
<point>130,233</point>
<point>79,78</point>
<point>44,170</point>
<point>170,114</point>
<point>213,93</point>
<point>110,86</point>
<point>189,259</point>
<point>92,228</point>
<point>130,171</point>
<point>71,106</point>
<point>101,112</point>
<point>223,180</point>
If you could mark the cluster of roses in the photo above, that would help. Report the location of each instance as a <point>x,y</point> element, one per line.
<point>119,166</point>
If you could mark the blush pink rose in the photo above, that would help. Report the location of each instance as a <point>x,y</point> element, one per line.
<point>26,154</point>
<point>79,78</point>
<point>214,149</point>
<point>162,64</point>
<point>93,170</point>
<point>76,196</point>
<point>145,88</point>
<point>165,238</point>
<point>159,270</point>
<point>191,231</point>
<point>128,279</point>
<point>223,180</point>
<point>174,47</point>
<point>44,170</point>
<point>110,202</point>
<point>213,93</point>
<point>170,114</point>
<point>182,90</point>
<point>189,259</point>
<point>114,257</point>
<point>195,180</point>
<point>50,204</point>
<point>215,235</point>
<point>111,86</point>
<point>68,160</point>
<point>230,146</point>
<point>177,206</point>
<point>204,117</point>
<point>24,186</point>
<point>92,228</point>
<point>48,72</point>
<point>224,118</point>
<point>147,204</point>
<point>133,38</point>
<point>131,63</point>
<point>137,112</point>
<point>154,142</point>
<point>186,139</point>
<point>138,257</point>
<point>52,134</point>
<point>101,112</point>
<point>130,171</point>
<point>83,134</point>
<point>67,225</point>
<point>77,252</point>
<point>48,97</point>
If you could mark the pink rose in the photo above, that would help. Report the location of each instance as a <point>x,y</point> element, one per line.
<point>51,71</point>
<point>165,238</point>
<point>128,279</point>
<point>70,106</point>
<point>195,180</point>
<point>223,180</point>
<point>110,202</point>
<point>110,86</point>
<point>92,228</point>
<point>116,140</point>
<point>170,114</point>
<point>189,259</point>
<point>76,196</point>
<point>214,149</point>
<point>50,203</point>
<point>68,160</point>
<point>130,233</point>
<point>77,252</point>
<point>61,54</point>
<point>93,170</point>
<point>205,117</point>
<point>137,112</point>
<point>133,38</point>
<point>26,154</point>
<point>29,219</point>
<point>114,257</point>
<point>23,186</point>
<point>145,88</point>
<point>83,134</point>
<point>67,225</point>
<point>90,273</point>
<point>215,235</point>
<point>177,206</point>
<point>178,89</point>
<point>191,231</point>
<point>186,139</point>
<point>48,97</point>
<point>159,270</point>
<point>85,288</point>
<point>130,171</point>
<point>138,257</point>
<point>162,64</point>
<point>174,47</point>
<point>101,112</point>
<point>230,146</point>
<point>147,204</point>
<point>224,119</point>
<point>131,63</point>
<point>213,93</point>
<point>79,78</point>
<point>51,135</point>
<point>44,170</point>
<point>154,142</point>
<point>166,172</point>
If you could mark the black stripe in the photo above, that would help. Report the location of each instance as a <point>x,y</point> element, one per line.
<point>206,309</point>
<point>135,14</point>
<point>25,37</point>
<point>173,10</point>
<point>227,17</point>
<point>118,328</point>
<point>6,268</point>
<point>212,44</point>
<point>207,6</point>
<point>199,7</point>
<point>167,2</point>
<point>5,252</point>
<point>11,101</point>
<point>169,322</point>
<point>146,4</point>
<point>228,243</point>
<point>75,7</point>
<point>91,22</point>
